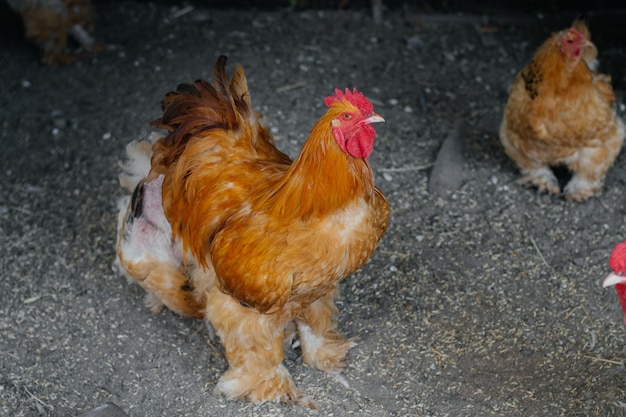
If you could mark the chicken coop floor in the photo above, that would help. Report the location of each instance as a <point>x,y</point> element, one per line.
<point>485,302</point>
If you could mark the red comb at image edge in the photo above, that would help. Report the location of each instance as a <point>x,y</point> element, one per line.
<point>617,278</point>
<point>354,97</point>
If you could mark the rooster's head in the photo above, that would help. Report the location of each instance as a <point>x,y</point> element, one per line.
<point>352,118</point>
<point>617,278</point>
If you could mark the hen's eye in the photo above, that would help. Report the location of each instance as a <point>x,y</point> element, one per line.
<point>347,116</point>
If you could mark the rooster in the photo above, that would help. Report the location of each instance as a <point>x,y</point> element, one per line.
<point>617,262</point>
<point>222,226</point>
<point>48,23</point>
<point>560,111</point>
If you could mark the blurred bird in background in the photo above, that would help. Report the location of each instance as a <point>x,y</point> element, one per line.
<point>561,111</point>
<point>50,23</point>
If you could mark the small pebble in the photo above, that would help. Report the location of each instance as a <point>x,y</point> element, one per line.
<point>449,56</point>
<point>414,42</point>
<point>32,188</point>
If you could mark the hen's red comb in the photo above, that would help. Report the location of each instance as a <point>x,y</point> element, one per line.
<point>617,260</point>
<point>355,98</point>
<point>577,33</point>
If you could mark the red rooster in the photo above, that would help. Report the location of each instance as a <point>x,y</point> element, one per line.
<point>223,226</point>
<point>617,278</point>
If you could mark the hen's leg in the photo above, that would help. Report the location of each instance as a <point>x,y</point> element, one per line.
<point>543,178</point>
<point>145,255</point>
<point>323,346</point>
<point>590,165</point>
<point>253,344</point>
<point>535,173</point>
<point>165,285</point>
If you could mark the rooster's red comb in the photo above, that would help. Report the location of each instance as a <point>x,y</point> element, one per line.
<point>617,261</point>
<point>355,98</point>
<point>577,33</point>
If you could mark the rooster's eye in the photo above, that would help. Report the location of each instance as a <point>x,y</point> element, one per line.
<point>347,116</point>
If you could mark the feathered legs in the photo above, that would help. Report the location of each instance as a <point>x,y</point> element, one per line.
<point>535,173</point>
<point>590,165</point>
<point>323,346</point>
<point>253,344</point>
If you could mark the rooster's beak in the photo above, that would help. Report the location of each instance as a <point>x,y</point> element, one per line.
<point>374,118</point>
<point>613,279</point>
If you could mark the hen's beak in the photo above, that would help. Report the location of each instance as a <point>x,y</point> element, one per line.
<point>374,118</point>
<point>613,279</point>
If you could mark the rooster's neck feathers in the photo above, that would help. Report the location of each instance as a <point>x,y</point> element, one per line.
<point>321,180</point>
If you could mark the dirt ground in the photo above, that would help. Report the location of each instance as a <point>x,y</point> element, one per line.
<point>487,302</point>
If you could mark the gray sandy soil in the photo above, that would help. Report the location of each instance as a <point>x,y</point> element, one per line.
<point>486,301</point>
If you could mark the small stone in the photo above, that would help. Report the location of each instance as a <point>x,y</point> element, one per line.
<point>414,42</point>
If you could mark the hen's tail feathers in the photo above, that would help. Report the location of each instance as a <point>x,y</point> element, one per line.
<point>137,166</point>
<point>200,107</point>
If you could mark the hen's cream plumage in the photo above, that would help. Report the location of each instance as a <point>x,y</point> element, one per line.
<point>561,112</point>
